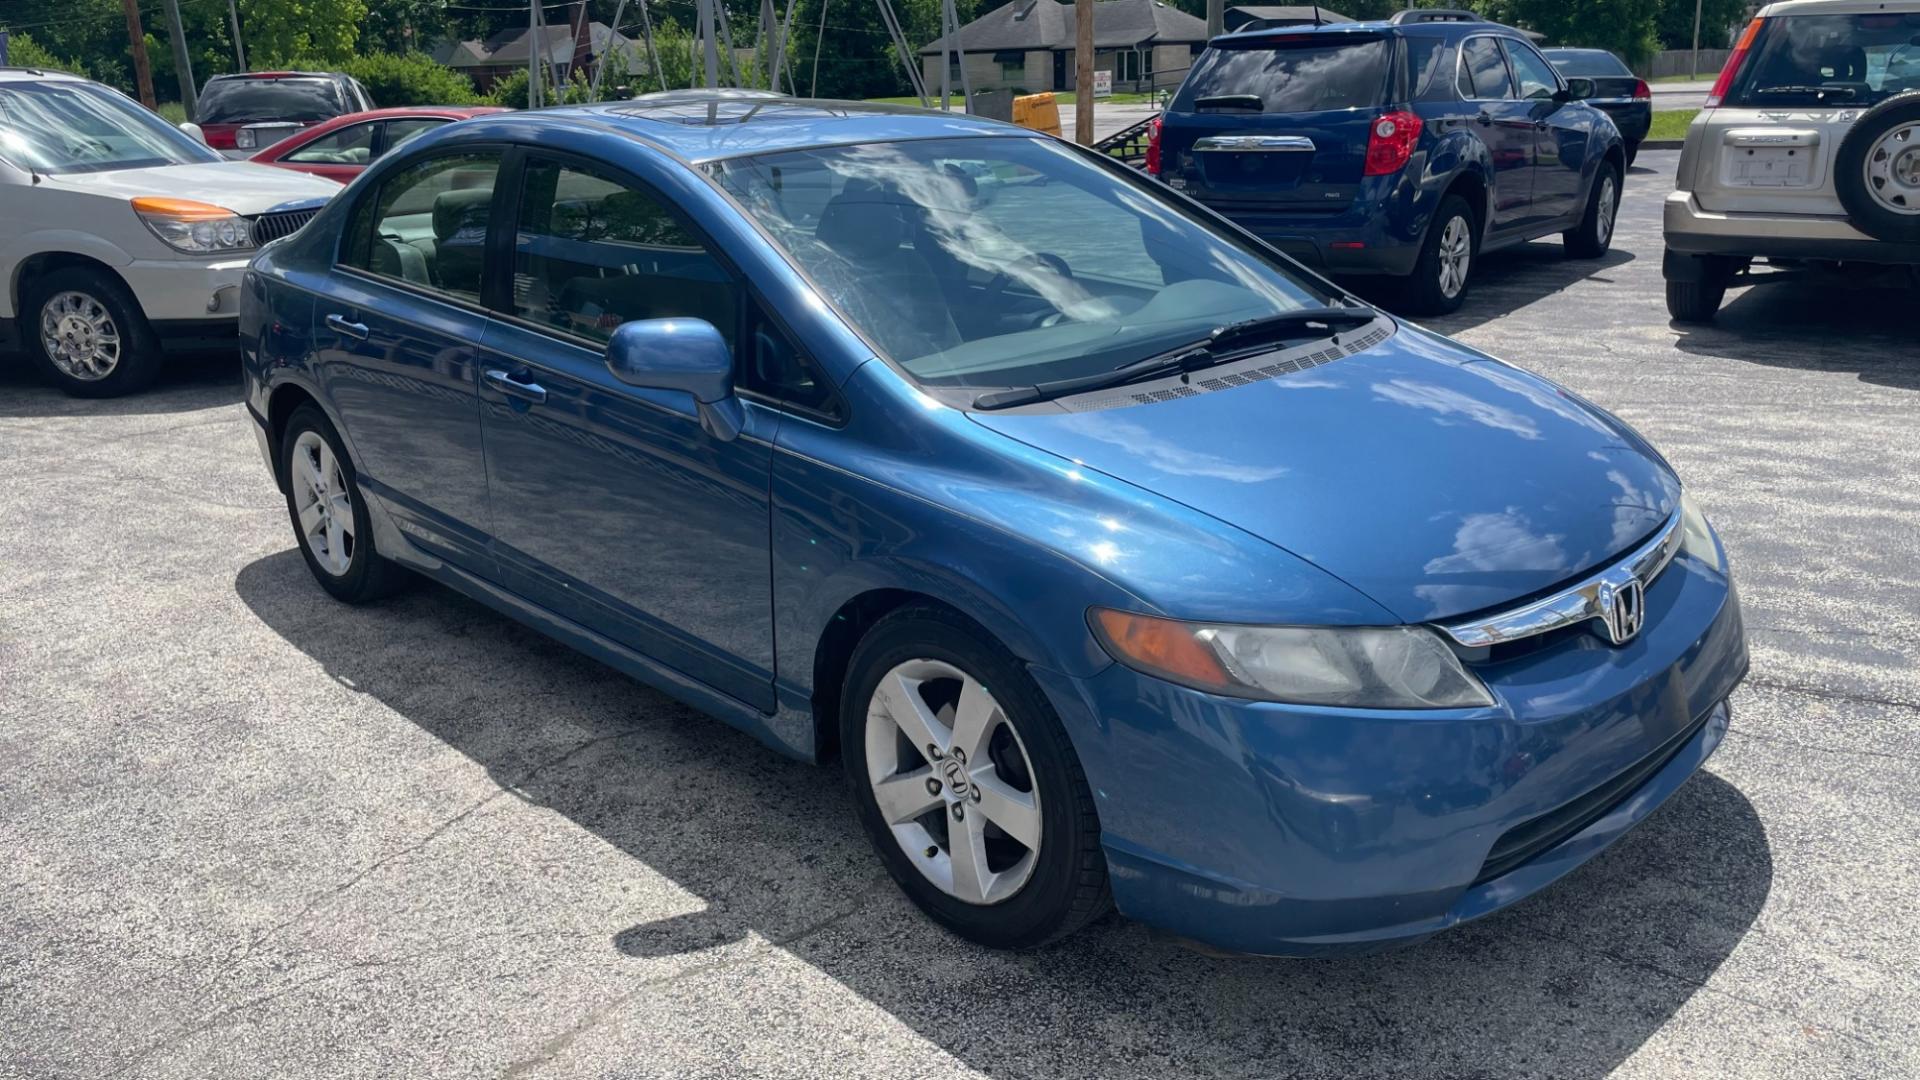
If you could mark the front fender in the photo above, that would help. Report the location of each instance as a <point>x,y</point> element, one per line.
<point>16,250</point>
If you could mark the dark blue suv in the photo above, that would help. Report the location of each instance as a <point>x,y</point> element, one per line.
<point>1402,148</point>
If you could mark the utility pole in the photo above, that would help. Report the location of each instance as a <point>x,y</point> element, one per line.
<point>534,88</point>
<point>142,71</point>
<point>813,88</point>
<point>239,50</point>
<point>182,64</point>
<point>710,48</point>
<point>1083,71</point>
<point>1216,17</point>
<point>1696,39</point>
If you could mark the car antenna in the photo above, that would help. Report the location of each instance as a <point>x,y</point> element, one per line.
<point>1317,20</point>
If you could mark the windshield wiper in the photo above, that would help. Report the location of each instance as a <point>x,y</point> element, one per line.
<point>1223,344</point>
<point>1845,93</point>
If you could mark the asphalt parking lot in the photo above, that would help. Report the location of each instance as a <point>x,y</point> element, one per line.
<point>250,832</point>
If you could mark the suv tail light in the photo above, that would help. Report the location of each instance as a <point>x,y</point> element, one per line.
<point>1153,147</point>
<point>1390,142</point>
<point>1641,91</point>
<point>1734,59</point>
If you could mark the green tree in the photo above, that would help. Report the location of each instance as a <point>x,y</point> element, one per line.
<point>318,30</point>
<point>410,79</point>
<point>24,51</point>
<point>1717,18</point>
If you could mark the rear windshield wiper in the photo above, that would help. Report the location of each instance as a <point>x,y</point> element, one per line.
<point>1223,344</point>
<point>1231,101</point>
<point>1845,93</point>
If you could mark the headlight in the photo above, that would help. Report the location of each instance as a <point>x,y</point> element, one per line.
<point>1696,536</point>
<point>1393,667</point>
<point>194,227</point>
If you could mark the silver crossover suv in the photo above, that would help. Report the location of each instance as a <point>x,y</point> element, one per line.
<point>1807,155</point>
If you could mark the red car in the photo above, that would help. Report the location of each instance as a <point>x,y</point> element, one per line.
<point>341,148</point>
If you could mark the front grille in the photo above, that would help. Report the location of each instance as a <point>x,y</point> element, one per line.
<point>1530,838</point>
<point>270,227</point>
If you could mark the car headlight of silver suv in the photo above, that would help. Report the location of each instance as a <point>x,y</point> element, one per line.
<point>196,228</point>
<point>1361,667</point>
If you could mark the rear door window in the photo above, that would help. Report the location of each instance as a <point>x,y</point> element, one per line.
<point>1308,73</point>
<point>1484,70</point>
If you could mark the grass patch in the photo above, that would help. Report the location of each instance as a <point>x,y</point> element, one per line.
<point>1671,123</point>
<point>173,112</point>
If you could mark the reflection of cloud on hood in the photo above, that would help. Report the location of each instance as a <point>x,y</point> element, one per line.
<point>1167,456</point>
<point>1632,509</point>
<point>1449,402</point>
<point>1499,542</point>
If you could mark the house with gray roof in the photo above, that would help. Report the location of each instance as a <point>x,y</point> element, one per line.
<point>1027,45</point>
<point>504,53</point>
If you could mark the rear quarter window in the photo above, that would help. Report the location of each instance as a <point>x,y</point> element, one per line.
<point>1289,76</point>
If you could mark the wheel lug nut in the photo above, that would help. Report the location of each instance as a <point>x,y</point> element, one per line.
<point>933,786</point>
<point>932,851</point>
<point>976,794</point>
<point>934,753</point>
<point>959,812</point>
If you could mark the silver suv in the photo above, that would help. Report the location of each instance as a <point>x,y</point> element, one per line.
<point>1807,155</point>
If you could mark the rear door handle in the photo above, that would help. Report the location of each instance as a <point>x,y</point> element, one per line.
<point>512,387</point>
<point>339,325</point>
<point>1485,119</point>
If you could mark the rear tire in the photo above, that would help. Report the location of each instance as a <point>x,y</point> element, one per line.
<point>1594,235</point>
<point>87,334</point>
<point>1633,151</point>
<point>329,512</point>
<point>1695,301</point>
<point>1443,272</point>
<point>1032,881</point>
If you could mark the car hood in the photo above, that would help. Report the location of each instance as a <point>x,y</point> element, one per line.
<point>1435,479</point>
<point>241,186</point>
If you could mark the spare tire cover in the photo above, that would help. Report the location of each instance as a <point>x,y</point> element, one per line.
<point>1877,171</point>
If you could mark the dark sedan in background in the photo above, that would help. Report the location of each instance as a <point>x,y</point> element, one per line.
<point>1617,91</point>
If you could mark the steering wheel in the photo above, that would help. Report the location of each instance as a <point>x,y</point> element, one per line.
<point>998,285</point>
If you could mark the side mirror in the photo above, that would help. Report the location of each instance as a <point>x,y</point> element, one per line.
<point>1578,89</point>
<point>194,132</point>
<point>686,355</point>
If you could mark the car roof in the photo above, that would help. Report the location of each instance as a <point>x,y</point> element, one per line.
<point>233,75</point>
<point>1840,7</point>
<point>1375,28</point>
<point>706,125</point>
<point>27,74</point>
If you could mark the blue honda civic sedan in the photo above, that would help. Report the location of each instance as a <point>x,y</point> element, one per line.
<point>1118,560</point>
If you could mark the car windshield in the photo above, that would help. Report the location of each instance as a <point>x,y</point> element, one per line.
<point>1005,262</point>
<point>250,101</point>
<point>1588,63</point>
<point>69,127</point>
<point>1840,60</point>
<point>1310,73</point>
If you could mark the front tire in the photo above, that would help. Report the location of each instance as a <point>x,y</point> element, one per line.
<point>1594,235</point>
<point>1442,272</point>
<point>1695,301</point>
<point>87,334</point>
<point>974,800</point>
<point>329,513</point>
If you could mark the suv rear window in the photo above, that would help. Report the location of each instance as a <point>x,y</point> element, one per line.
<point>247,101</point>
<point>1838,60</point>
<point>1308,73</point>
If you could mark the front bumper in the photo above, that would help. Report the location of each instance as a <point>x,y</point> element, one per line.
<point>1691,230</point>
<point>1284,830</point>
<point>187,290</point>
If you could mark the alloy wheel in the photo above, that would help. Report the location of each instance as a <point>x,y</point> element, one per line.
<point>953,781</point>
<point>1456,256</point>
<point>1609,206</point>
<point>321,499</point>
<point>79,336</point>
<point>1893,169</point>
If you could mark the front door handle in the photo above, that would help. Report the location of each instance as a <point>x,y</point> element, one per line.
<point>1485,119</point>
<point>339,325</point>
<point>512,387</point>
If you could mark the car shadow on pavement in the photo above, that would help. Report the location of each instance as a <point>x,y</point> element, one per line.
<point>189,381</point>
<point>1799,326</point>
<point>1565,985</point>
<point>1503,282</point>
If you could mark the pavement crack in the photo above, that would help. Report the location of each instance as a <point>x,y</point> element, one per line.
<point>1798,745</point>
<point>326,896</point>
<point>1835,695</point>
